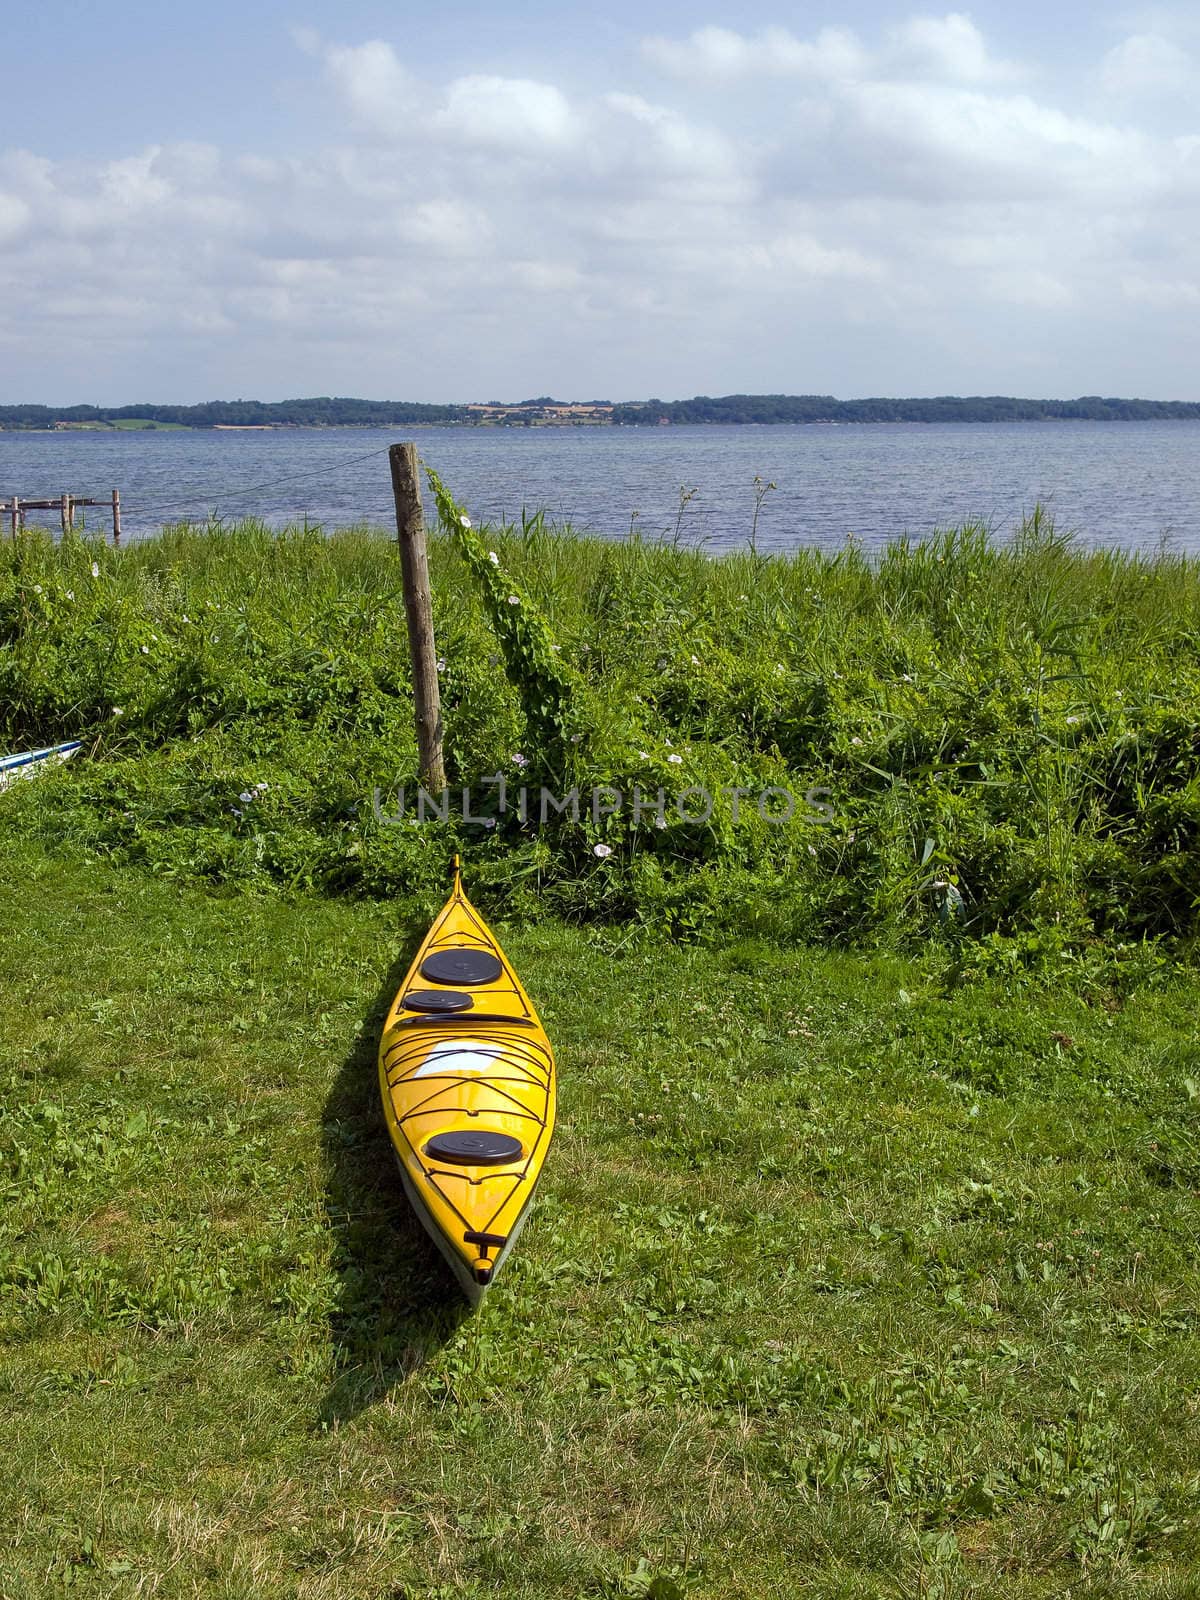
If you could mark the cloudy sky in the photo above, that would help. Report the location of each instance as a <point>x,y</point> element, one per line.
<point>496,201</point>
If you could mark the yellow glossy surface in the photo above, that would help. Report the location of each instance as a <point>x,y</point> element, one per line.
<point>487,1069</point>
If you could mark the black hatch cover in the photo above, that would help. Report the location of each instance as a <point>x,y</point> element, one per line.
<point>467,966</point>
<point>437,1000</point>
<point>481,1149</point>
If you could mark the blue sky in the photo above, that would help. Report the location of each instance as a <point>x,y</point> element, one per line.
<point>478,202</point>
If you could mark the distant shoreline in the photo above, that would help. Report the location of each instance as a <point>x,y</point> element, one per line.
<point>382,427</point>
<point>728,410</point>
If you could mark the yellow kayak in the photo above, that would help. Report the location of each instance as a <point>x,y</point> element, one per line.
<point>467,1078</point>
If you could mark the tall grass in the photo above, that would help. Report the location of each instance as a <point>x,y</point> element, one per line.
<point>1008,732</point>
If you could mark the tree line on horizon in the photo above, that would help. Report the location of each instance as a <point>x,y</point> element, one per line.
<point>324,411</point>
<point>816,408</point>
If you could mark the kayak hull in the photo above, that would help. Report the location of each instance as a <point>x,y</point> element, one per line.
<point>32,763</point>
<point>472,1289</point>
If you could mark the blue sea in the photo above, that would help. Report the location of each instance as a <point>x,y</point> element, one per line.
<point>1122,484</point>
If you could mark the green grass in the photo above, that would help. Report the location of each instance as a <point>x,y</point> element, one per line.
<point>864,1262</point>
<point>844,1280</point>
<point>140,424</point>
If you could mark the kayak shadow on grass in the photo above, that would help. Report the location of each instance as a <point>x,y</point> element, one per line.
<point>397,1302</point>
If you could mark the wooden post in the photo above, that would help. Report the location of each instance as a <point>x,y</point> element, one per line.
<point>116,505</point>
<point>16,515</point>
<point>418,605</point>
<point>64,513</point>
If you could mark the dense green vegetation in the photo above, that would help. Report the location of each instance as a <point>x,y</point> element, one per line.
<point>846,1279</point>
<point>321,412</point>
<point>942,408</point>
<point>324,412</point>
<point>1007,734</point>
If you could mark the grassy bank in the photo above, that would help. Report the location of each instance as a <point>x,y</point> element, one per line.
<point>1008,736</point>
<point>843,1281</point>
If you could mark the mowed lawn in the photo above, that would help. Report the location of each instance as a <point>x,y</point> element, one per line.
<point>844,1279</point>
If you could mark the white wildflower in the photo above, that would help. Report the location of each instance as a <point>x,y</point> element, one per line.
<point>514,599</point>
<point>235,811</point>
<point>145,649</point>
<point>660,822</point>
<point>246,796</point>
<point>676,761</point>
<point>118,711</point>
<point>520,761</point>
<point>811,851</point>
<point>466,521</point>
<point>489,822</point>
<point>695,661</point>
<point>441,666</point>
<point>906,677</point>
<point>856,740</point>
<point>493,558</point>
<point>95,569</point>
<point>37,588</point>
<point>1072,719</point>
<point>261,787</point>
<point>575,738</point>
<point>643,755</point>
<point>70,594</point>
<point>185,617</point>
<point>602,850</point>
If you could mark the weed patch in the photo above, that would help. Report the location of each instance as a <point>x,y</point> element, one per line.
<point>1004,736</point>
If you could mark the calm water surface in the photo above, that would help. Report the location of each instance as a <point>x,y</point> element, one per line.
<point>1132,485</point>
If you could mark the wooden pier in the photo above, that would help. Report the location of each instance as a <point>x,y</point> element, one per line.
<point>65,505</point>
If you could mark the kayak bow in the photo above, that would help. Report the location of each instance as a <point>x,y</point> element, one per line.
<point>467,1078</point>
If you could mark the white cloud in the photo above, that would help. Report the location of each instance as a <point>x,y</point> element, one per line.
<point>372,82</point>
<point>673,143</point>
<point>1027,285</point>
<point>133,184</point>
<point>445,226</point>
<point>1166,294</point>
<point>946,141</point>
<point>1148,64</point>
<point>763,197</point>
<point>14,216</point>
<point>795,256</point>
<point>714,54</point>
<point>949,47</point>
<point>507,113</point>
<point>548,277</point>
